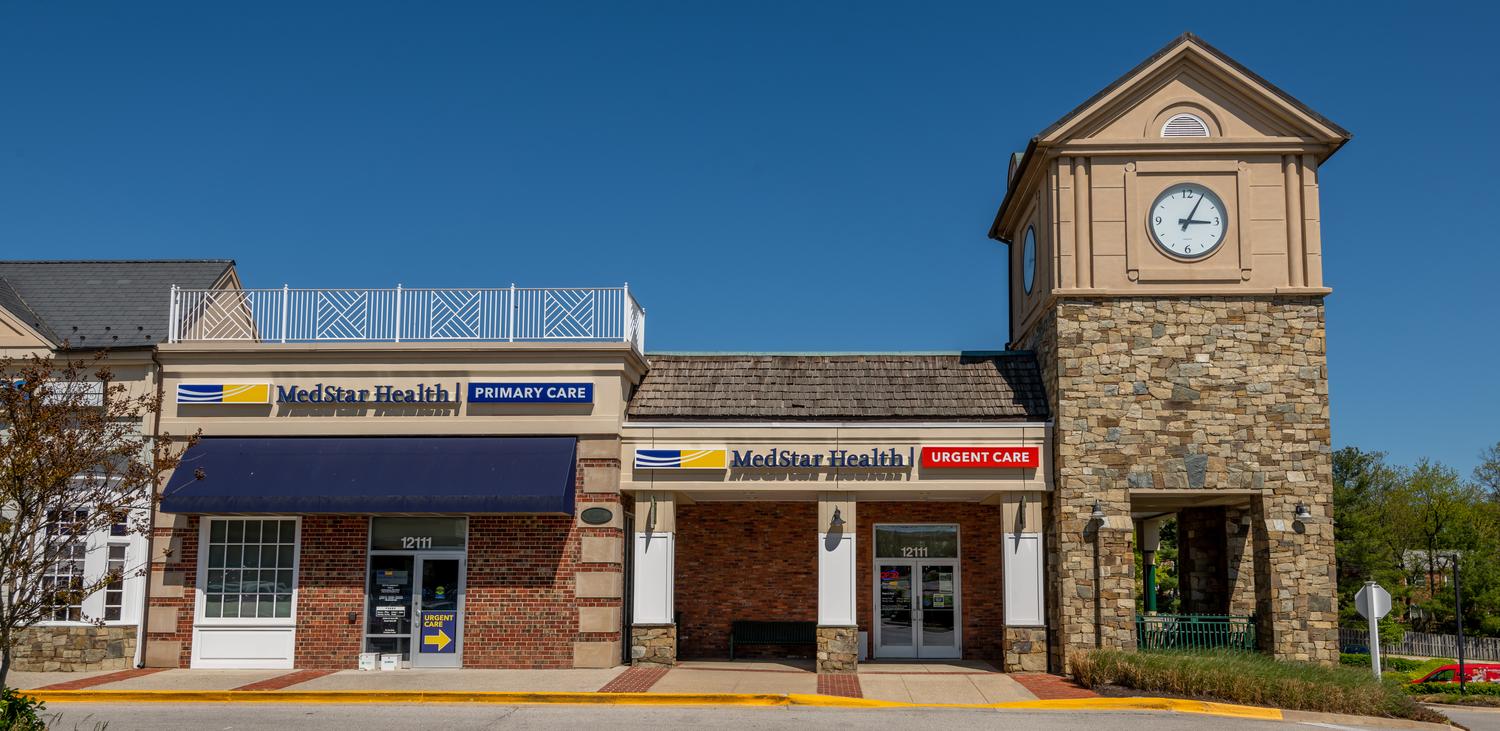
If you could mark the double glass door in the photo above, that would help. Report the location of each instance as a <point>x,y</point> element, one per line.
<point>416,608</point>
<point>918,603</point>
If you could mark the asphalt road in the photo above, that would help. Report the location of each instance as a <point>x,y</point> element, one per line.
<point>458,717</point>
<point>1477,719</point>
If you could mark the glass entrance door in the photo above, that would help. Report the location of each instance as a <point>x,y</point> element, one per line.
<point>918,610</point>
<point>437,642</point>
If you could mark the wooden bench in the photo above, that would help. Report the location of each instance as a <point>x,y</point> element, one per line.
<point>744,632</point>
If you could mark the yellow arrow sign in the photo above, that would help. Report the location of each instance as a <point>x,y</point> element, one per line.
<point>441,639</point>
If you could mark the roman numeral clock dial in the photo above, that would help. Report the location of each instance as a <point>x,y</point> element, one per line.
<point>1188,221</point>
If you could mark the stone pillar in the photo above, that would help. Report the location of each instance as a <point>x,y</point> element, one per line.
<point>1095,577</point>
<point>838,631</point>
<point>653,631</point>
<point>1024,581</point>
<point>1202,563</point>
<point>1240,558</point>
<point>1296,610</point>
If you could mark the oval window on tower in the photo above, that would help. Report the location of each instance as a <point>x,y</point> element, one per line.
<point>1028,259</point>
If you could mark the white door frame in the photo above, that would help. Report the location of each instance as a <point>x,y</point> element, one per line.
<point>419,567</point>
<point>916,650</point>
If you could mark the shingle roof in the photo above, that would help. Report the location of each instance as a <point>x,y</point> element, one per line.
<point>869,387</point>
<point>101,304</point>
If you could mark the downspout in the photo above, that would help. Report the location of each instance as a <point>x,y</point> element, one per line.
<point>140,627</point>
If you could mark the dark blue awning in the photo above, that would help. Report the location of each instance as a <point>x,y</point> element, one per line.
<point>375,475</point>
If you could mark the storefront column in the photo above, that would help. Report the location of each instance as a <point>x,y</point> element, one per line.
<point>1023,581</point>
<point>838,631</point>
<point>653,631</point>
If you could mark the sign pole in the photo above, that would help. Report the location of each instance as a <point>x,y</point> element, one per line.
<point>1374,616</point>
<point>1458,613</point>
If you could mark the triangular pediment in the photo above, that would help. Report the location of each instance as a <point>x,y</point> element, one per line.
<point>15,333</point>
<point>1188,75</point>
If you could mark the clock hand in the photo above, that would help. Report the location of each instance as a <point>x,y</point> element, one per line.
<point>1184,221</point>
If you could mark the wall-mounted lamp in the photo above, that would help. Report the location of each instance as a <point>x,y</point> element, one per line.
<point>838,520</point>
<point>1303,512</point>
<point>1098,513</point>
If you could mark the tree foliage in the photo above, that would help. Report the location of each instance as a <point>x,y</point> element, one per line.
<point>74,463</point>
<point>1403,527</point>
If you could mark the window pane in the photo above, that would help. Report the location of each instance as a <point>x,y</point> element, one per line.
<point>252,531</point>
<point>268,557</point>
<point>213,605</point>
<point>231,605</point>
<point>236,531</point>
<point>215,581</point>
<point>265,606</point>
<point>285,559</point>
<point>117,552</point>
<point>112,614</point>
<point>283,606</point>
<point>289,531</point>
<point>216,557</point>
<point>251,557</point>
<point>216,531</point>
<point>284,581</point>
<point>232,581</point>
<point>916,541</point>
<point>232,557</point>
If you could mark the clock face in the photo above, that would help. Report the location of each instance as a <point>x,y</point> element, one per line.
<point>1028,259</point>
<point>1188,221</point>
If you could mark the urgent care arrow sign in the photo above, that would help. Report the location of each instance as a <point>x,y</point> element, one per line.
<point>979,458</point>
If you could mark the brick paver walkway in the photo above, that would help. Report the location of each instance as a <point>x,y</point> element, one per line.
<point>840,684</point>
<point>97,680</point>
<point>286,681</point>
<point>638,679</point>
<point>1052,687</point>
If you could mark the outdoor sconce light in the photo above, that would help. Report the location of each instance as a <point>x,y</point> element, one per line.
<point>1098,513</point>
<point>838,520</point>
<point>1303,512</point>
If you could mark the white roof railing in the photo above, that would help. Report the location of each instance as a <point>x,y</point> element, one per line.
<point>401,314</point>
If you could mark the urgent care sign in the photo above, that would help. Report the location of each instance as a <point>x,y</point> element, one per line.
<point>979,458</point>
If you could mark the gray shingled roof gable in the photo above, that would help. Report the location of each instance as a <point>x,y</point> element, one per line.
<point>847,387</point>
<point>103,303</point>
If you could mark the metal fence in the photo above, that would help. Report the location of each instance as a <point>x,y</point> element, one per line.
<point>512,314</point>
<point>1194,632</point>
<point>1422,644</point>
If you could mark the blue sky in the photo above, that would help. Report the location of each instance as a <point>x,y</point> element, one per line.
<point>767,176</point>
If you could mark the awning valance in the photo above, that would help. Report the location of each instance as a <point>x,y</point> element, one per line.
<point>292,475</point>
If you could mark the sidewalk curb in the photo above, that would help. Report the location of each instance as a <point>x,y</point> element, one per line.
<point>638,699</point>
<point>1173,705</point>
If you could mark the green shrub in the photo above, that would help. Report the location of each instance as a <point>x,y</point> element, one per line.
<point>1398,664</point>
<point>1452,688</point>
<point>1251,678</point>
<point>20,712</point>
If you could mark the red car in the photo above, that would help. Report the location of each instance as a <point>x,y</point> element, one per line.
<point>1478,672</point>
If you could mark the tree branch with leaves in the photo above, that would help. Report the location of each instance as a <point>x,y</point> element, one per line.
<point>75,462</point>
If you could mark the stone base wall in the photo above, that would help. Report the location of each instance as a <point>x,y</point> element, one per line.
<point>1190,393</point>
<point>838,649</point>
<point>75,648</point>
<point>653,644</point>
<point>1025,650</point>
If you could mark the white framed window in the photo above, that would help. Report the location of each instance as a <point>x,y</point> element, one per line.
<point>247,571</point>
<point>88,557</point>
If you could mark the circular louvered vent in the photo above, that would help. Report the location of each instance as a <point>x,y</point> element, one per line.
<point>1184,125</point>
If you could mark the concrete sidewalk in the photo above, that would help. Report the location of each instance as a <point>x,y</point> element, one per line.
<point>926,682</point>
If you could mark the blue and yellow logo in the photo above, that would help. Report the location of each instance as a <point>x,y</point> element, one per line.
<point>223,393</point>
<point>680,459</point>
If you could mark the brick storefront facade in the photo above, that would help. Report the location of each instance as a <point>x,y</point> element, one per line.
<point>981,593</point>
<point>331,585</point>
<point>744,560</point>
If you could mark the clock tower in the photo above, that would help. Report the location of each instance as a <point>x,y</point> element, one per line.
<point>1166,269</point>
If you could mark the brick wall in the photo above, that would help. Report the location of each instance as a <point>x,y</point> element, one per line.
<point>744,560</point>
<point>519,609</point>
<point>981,593</point>
<point>330,585</point>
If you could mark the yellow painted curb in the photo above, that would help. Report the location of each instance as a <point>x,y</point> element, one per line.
<point>634,699</point>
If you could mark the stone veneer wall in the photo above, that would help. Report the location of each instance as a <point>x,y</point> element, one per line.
<point>1189,393</point>
<point>74,648</point>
